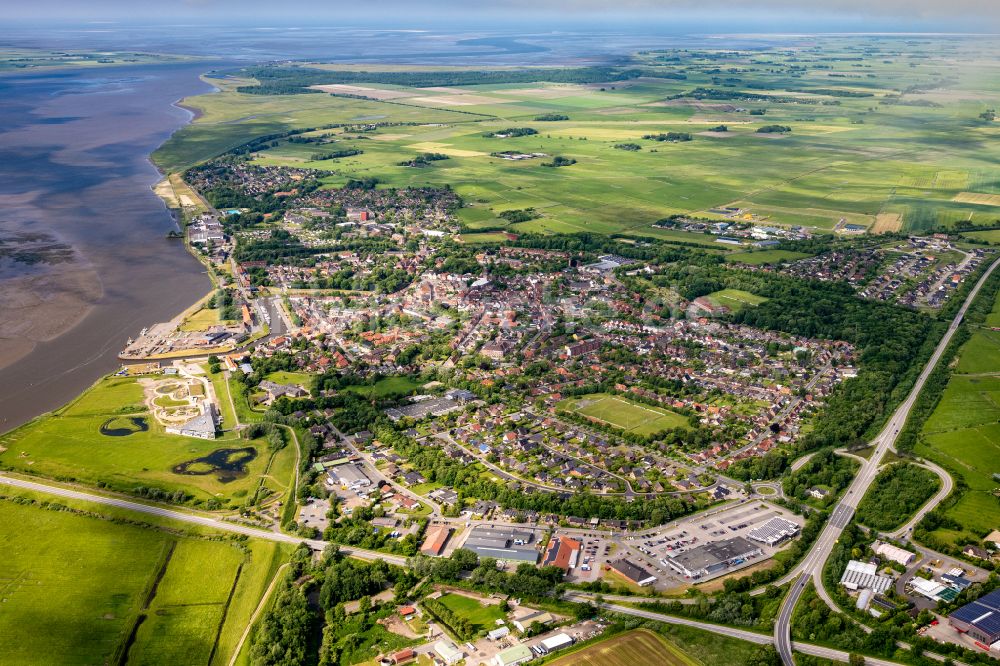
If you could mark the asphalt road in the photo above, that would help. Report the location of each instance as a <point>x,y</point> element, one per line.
<point>195,519</point>
<point>739,634</point>
<point>811,565</point>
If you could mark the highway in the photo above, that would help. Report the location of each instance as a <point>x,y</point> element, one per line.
<point>195,519</point>
<point>811,566</point>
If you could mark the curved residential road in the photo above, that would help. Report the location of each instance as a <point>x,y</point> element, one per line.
<point>196,519</point>
<point>811,566</point>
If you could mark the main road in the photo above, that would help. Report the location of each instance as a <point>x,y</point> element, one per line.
<point>194,518</point>
<point>811,566</point>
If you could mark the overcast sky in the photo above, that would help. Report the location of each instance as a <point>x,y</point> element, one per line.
<point>878,15</point>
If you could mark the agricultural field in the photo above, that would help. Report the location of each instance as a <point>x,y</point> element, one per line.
<point>735,299</point>
<point>624,413</point>
<point>76,585</point>
<point>963,433</point>
<point>892,143</point>
<point>107,437</point>
<point>628,649</point>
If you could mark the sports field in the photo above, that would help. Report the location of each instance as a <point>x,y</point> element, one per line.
<point>629,649</point>
<point>735,299</point>
<point>74,587</point>
<point>74,443</point>
<point>624,413</point>
<point>859,152</point>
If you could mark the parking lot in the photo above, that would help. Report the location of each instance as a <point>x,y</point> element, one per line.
<point>313,514</point>
<point>595,551</point>
<point>651,550</point>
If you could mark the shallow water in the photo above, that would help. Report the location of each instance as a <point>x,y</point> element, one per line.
<point>84,261</point>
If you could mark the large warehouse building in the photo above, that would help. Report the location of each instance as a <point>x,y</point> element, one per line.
<point>713,557</point>
<point>979,619</point>
<point>503,543</point>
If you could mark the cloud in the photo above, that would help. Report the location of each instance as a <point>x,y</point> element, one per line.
<point>978,12</point>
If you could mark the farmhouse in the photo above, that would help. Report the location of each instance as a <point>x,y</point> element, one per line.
<point>713,557</point>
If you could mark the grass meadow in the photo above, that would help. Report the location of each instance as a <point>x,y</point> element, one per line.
<point>624,413</point>
<point>482,616</point>
<point>963,432</point>
<point>75,586</point>
<point>923,156</point>
<point>68,445</point>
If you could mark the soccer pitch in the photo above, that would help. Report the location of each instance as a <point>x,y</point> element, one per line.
<point>625,414</point>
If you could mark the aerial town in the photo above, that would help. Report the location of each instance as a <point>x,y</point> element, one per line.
<point>481,348</point>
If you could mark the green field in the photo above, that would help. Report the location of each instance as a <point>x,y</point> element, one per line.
<point>482,616</point>
<point>762,257</point>
<point>735,299</point>
<point>69,445</point>
<point>629,649</point>
<point>963,432</point>
<point>624,413</point>
<point>303,379</point>
<point>921,154</point>
<point>74,587</point>
<point>385,386</point>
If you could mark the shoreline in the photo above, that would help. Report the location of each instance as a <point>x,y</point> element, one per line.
<point>134,280</point>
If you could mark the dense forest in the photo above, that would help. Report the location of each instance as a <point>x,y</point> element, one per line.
<point>897,493</point>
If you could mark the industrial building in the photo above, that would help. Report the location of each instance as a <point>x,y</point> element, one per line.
<point>862,575</point>
<point>557,642</point>
<point>713,557</point>
<point>503,543</point>
<point>435,540</point>
<point>893,553</point>
<point>563,552</point>
<point>350,475</point>
<point>979,619</point>
<point>519,654</point>
<point>633,572</point>
<point>448,653</point>
<point>774,531</point>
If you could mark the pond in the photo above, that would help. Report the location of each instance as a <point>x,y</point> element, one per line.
<point>226,464</point>
<point>117,426</point>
